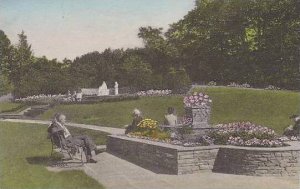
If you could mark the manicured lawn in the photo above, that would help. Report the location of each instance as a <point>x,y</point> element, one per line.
<point>24,153</point>
<point>117,114</point>
<point>269,108</point>
<point>10,106</point>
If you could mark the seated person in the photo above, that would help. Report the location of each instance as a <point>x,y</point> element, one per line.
<point>58,125</point>
<point>293,130</point>
<point>171,118</point>
<point>137,118</point>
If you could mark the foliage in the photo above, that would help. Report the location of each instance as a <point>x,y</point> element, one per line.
<point>6,51</point>
<point>136,72</point>
<point>243,41</point>
<point>177,80</point>
<point>212,83</point>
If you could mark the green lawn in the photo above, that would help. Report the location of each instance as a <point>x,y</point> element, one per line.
<point>24,153</point>
<point>269,108</point>
<point>10,106</point>
<point>116,114</point>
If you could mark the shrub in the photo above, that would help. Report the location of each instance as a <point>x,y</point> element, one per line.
<point>245,85</point>
<point>272,87</point>
<point>154,93</point>
<point>212,83</point>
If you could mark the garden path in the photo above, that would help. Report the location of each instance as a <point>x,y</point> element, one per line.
<point>116,173</point>
<point>109,130</point>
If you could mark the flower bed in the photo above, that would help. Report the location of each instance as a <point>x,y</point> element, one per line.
<point>233,84</point>
<point>272,87</point>
<point>212,83</point>
<point>148,129</point>
<point>237,134</point>
<point>245,134</point>
<point>155,93</point>
<point>196,100</point>
<point>43,99</point>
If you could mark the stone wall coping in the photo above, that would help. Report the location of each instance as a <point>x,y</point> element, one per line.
<point>293,146</point>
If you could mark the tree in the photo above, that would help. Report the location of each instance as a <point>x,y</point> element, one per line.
<point>159,53</point>
<point>177,80</point>
<point>20,65</point>
<point>136,73</point>
<point>242,41</point>
<point>6,50</point>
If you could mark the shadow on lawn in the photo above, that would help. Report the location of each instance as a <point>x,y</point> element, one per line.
<point>43,160</point>
<point>54,162</point>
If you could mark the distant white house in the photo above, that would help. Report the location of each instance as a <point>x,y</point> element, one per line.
<point>101,91</point>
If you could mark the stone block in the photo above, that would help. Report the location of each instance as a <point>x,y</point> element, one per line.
<point>186,156</point>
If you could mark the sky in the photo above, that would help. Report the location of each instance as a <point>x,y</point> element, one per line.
<point>70,28</point>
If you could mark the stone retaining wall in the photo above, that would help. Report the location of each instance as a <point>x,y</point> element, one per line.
<point>173,159</point>
<point>269,162</point>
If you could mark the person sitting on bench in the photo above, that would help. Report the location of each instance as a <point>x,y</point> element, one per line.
<point>58,125</point>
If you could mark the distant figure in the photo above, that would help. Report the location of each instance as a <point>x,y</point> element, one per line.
<point>171,118</point>
<point>137,118</point>
<point>116,88</point>
<point>74,96</point>
<point>293,130</point>
<point>79,95</point>
<point>58,125</point>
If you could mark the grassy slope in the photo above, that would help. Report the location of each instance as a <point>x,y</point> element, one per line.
<point>117,114</point>
<point>24,152</point>
<point>9,106</point>
<point>269,108</point>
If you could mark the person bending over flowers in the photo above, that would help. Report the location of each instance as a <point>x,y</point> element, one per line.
<point>137,118</point>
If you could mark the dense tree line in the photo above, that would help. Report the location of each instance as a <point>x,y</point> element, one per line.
<point>219,40</point>
<point>242,41</point>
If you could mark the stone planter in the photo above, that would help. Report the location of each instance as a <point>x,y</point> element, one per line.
<point>200,115</point>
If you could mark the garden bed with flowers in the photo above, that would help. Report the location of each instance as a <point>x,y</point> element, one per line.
<point>152,92</point>
<point>187,133</point>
